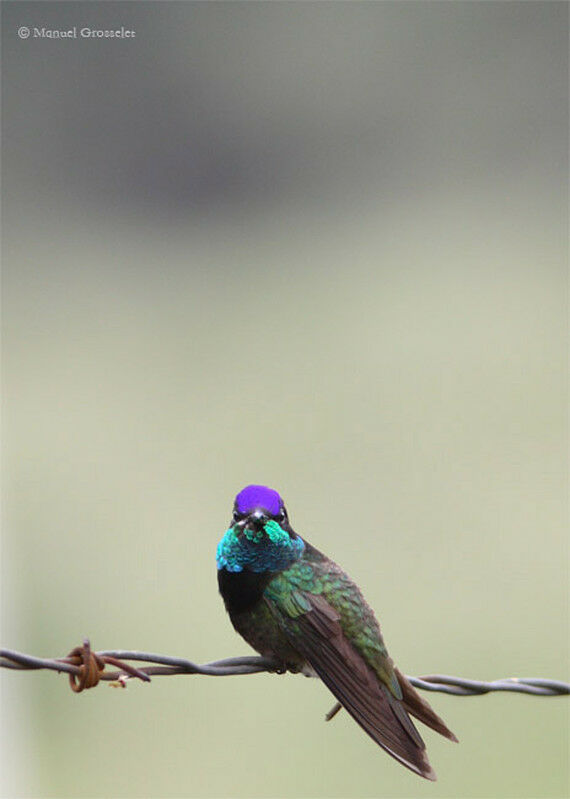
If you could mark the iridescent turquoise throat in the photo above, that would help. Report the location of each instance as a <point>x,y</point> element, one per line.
<point>268,549</point>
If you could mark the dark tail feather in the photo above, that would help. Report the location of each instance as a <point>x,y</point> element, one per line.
<point>417,706</point>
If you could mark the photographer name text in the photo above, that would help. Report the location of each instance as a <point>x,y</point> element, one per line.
<point>76,33</point>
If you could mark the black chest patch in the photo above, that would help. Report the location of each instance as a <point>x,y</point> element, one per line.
<point>242,590</point>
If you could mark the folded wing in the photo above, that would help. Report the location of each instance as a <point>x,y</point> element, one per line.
<point>313,627</point>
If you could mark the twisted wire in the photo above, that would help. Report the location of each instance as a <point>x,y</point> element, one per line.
<point>86,668</point>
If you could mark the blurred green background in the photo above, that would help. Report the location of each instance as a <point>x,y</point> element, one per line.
<point>321,246</point>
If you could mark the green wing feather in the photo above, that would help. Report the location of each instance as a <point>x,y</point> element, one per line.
<point>326,619</point>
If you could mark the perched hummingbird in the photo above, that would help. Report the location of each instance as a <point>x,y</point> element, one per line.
<point>294,605</point>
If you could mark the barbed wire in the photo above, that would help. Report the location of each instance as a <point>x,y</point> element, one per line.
<point>86,668</point>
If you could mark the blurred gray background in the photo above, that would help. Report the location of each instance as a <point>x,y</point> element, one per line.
<point>321,246</point>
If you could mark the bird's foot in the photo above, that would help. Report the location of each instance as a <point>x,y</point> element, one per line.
<point>333,711</point>
<point>279,668</point>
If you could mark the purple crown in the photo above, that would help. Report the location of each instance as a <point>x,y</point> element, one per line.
<point>252,497</point>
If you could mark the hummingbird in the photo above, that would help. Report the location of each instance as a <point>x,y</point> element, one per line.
<point>296,606</point>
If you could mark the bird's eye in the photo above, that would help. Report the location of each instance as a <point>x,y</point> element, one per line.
<point>235,516</point>
<point>282,515</point>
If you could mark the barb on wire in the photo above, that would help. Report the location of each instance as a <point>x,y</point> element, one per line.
<point>86,668</point>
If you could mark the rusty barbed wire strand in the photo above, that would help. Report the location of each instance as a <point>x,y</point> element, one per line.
<point>90,667</point>
<point>86,668</point>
